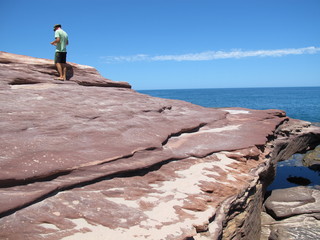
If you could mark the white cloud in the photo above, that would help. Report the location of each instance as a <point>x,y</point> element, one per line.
<point>213,55</point>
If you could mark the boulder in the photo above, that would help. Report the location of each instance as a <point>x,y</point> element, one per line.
<point>284,203</point>
<point>312,159</point>
<point>292,213</point>
<point>90,158</point>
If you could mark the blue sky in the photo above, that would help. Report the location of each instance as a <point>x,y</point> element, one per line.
<point>172,44</point>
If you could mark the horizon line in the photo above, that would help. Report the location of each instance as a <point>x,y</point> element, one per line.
<point>164,89</point>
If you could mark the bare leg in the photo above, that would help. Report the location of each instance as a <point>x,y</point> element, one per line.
<point>60,70</point>
<point>64,70</point>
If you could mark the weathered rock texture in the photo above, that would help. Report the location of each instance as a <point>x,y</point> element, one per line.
<point>19,69</point>
<point>292,213</point>
<point>312,159</point>
<point>80,162</point>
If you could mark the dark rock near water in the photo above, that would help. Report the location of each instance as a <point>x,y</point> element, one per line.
<point>299,180</point>
<point>90,158</point>
<point>312,159</point>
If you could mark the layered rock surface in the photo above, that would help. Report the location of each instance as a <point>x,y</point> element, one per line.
<point>292,213</point>
<point>90,158</point>
<point>20,69</point>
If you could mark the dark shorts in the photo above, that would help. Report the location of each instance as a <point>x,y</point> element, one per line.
<point>60,57</point>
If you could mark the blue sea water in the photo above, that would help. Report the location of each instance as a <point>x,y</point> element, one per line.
<point>298,102</point>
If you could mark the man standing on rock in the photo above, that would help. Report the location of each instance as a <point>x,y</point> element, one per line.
<point>61,42</point>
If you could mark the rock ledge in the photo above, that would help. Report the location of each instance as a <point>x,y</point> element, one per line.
<point>81,162</point>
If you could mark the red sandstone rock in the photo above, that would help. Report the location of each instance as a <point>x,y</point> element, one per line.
<point>82,162</point>
<point>19,69</point>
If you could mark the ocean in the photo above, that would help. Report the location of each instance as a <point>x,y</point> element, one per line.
<point>298,102</point>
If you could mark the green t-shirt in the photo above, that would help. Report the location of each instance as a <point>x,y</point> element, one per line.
<point>62,45</point>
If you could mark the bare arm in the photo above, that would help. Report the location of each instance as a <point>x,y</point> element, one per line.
<point>55,41</point>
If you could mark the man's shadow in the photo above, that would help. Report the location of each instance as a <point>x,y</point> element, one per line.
<point>69,71</point>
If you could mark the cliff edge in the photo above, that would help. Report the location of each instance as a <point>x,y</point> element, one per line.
<point>90,158</point>
<point>20,69</point>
